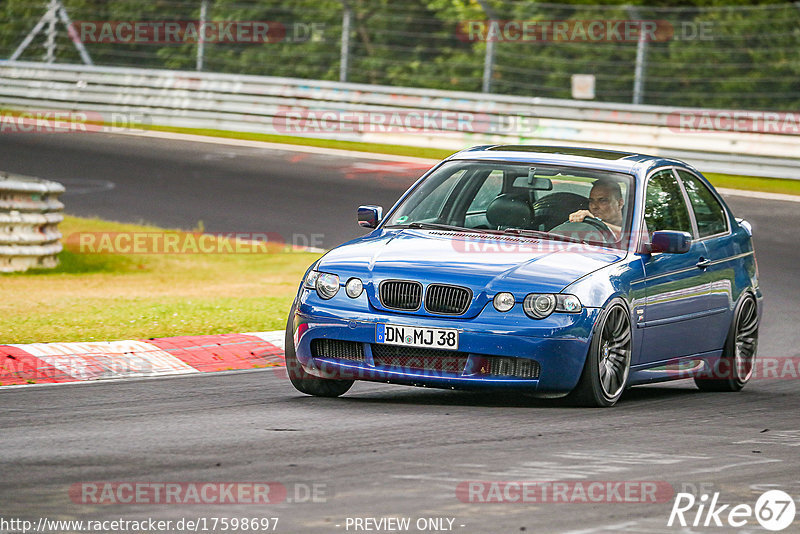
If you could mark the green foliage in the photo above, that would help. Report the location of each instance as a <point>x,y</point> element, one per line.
<point>722,54</point>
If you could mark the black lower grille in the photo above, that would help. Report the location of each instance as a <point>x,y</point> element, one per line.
<point>340,350</point>
<point>423,359</point>
<point>419,359</point>
<point>513,367</point>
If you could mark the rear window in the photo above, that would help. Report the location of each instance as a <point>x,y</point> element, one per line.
<point>708,212</point>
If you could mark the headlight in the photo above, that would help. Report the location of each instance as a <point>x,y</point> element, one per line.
<point>539,306</point>
<point>568,304</point>
<point>503,302</point>
<point>353,288</point>
<point>311,280</point>
<point>327,285</point>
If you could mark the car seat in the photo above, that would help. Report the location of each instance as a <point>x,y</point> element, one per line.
<point>509,211</point>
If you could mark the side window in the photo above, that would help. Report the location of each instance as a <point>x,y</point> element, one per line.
<point>665,208</point>
<point>490,189</point>
<point>708,211</point>
<point>430,207</point>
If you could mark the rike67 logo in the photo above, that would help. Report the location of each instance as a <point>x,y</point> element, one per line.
<point>774,510</point>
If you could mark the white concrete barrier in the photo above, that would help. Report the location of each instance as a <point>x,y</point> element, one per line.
<point>29,216</point>
<point>737,142</point>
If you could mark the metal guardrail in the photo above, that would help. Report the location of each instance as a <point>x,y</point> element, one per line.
<point>283,106</point>
<point>29,215</point>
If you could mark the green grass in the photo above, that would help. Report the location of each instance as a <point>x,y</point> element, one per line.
<point>377,148</point>
<point>751,183</point>
<point>98,297</point>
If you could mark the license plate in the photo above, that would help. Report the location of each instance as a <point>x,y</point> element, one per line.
<point>412,336</point>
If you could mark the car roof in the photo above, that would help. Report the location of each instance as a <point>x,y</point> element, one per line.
<point>611,160</point>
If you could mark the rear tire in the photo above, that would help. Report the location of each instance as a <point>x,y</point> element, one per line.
<point>608,362</point>
<point>303,381</point>
<point>739,354</point>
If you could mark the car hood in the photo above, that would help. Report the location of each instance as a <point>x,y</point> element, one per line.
<point>484,263</point>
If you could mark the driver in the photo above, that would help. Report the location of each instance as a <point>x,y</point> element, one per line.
<point>605,204</point>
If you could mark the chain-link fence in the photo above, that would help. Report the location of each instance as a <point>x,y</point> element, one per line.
<point>742,57</point>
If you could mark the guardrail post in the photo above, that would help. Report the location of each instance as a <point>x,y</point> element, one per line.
<point>488,67</point>
<point>29,215</point>
<point>347,15</point>
<point>641,61</point>
<point>201,44</point>
<point>488,58</point>
<point>50,56</point>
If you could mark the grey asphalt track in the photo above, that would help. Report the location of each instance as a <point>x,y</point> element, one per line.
<point>230,189</point>
<point>379,451</point>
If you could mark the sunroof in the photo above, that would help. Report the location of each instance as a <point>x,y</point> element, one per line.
<point>567,151</point>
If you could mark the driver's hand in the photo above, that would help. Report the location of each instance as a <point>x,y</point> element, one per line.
<point>580,215</point>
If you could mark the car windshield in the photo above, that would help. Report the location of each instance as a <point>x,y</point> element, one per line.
<point>558,202</point>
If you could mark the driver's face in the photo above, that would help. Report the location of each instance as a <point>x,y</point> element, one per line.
<point>602,204</point>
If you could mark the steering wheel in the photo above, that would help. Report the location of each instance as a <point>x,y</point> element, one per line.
<point>608,234</point>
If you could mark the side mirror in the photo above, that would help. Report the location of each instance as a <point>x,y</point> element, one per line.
<point>746,225</point>
<point>369,216</point>
<point>670,242</point>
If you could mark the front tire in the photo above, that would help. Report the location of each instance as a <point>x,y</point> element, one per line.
<point>739,354</point>
<point>303,381</point>
<point>608,362</point>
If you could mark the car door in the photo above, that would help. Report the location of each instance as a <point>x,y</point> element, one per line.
<point>675,318</point>
<point>713,229</point>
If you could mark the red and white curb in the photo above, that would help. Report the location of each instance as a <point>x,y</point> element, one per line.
<point>42,363</point>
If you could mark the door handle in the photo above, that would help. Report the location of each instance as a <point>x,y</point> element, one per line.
<point>702,263</point>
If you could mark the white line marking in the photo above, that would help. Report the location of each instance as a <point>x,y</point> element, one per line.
<point>758,194</point>
<point>382,157</point>
<point>748,463</point>
<point>607,528</point>
<point>276,337</point>
<point>89,383</point>
<point>103,360</point>
<point>279,146</point>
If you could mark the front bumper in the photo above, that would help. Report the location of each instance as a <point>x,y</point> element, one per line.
<point>559,344</point>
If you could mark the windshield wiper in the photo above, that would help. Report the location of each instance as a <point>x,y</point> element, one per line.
<point>539,233</point>
<point>438,226</point>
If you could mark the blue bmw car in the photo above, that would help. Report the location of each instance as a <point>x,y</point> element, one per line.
<point>551,271</point>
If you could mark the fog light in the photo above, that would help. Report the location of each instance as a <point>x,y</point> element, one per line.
<point>353,288</point>
<point>327,285</point>
<point>503,302</point>
<point>539,306</point>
